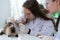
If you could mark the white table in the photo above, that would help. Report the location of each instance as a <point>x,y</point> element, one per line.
<point>25,37</point>
<point>21,37</point>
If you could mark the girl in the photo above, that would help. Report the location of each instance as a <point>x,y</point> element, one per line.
<point>36,19</point>
<point>57,36</point>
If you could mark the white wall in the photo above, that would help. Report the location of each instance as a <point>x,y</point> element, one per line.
<point>4,11</point>
<point>43,2</point>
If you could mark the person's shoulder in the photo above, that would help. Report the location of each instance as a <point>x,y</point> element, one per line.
<point>48,22</point>
<point>43,21</point>
<point>38,20</point>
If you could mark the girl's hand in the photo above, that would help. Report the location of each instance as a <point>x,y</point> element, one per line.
<point>21,20</point>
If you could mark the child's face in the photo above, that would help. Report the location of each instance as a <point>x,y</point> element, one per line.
<point>28,14</point>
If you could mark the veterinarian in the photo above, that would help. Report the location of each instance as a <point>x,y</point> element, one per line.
<point>36,19</point>
<point>57,36</point>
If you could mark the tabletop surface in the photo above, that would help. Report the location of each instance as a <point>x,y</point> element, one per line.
<point>25,37</point>
<point>21,37</point>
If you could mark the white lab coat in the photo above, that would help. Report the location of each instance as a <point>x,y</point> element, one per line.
<point>57,36</point>
<point>40,26</point>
